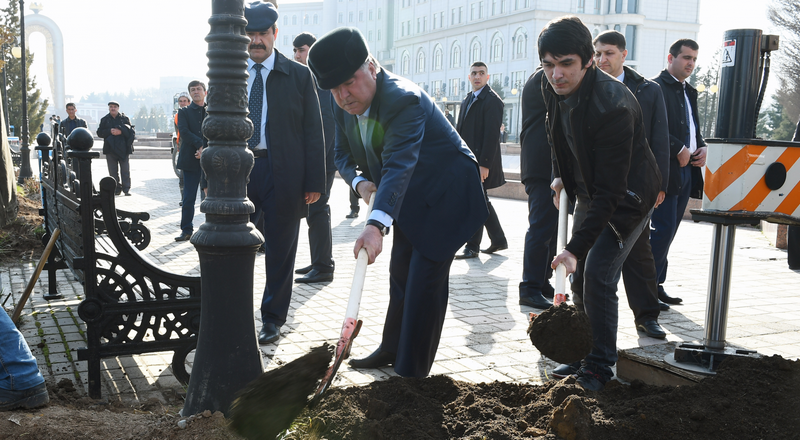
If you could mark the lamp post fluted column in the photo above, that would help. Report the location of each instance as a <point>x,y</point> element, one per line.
<point>227,356</point>
<point>25,170</point>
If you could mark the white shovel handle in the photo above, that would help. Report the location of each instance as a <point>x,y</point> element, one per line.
<point>561,241</point>
<point>360,274</point>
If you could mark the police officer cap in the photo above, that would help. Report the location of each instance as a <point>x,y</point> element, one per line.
<point>336,56</point>
<point>260,15</point>
<point>113,103</point>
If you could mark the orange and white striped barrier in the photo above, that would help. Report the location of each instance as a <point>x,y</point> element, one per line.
<point>758,176</point>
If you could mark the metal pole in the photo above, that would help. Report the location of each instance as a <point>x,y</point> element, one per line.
<point>5,92</point>
<point>719,283</point>
<point>227,356</point>
<point>25,170</point>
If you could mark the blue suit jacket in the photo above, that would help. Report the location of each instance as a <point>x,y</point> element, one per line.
<point>428,179</point>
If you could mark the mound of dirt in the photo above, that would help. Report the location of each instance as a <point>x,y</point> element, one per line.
<point>562,333</point>
<point>18,239</point>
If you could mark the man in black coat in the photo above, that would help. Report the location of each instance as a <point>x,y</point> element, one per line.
<point>190,123</point>
<point>536,174</point>
<point>72,122</point>
<point>601,155</point>
<point>289,150</point>
<point>116,130</point>
<point>639,270</point>
<point>319,213</point>
<point>479,125</point>
<point>394,144</point>
<point>687,152</point>
<point>793,235</point>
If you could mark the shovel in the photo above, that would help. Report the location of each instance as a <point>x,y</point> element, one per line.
<point>352,324</point>
<point>561,333</point>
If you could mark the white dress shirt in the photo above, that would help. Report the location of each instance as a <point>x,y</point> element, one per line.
<point>365,130</point>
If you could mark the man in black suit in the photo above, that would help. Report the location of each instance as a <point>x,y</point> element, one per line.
<point>687,152</point>
<point>289,149</point>
<point>190,123</point>
<point>319,214</point>
<point>426,186</point>
<point>536,174</point>
<point>479,125</point>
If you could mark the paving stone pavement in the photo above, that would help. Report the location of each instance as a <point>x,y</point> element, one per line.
<point>484,335</point>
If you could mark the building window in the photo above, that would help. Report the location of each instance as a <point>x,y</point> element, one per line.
<point>305,19</point>
<point>520,41</point>
<point>379,15</point>
<point>617,28</point>
<point>630,40</point>
<point>455,56</point>
<point>341,17</point>
<point>294,19</point>
<point>517,79</point>
<point>419,24</point>
<point>581,6</point>
<point>460,13</point>
<point>437,58</point>
<point>473,10</point>
<point>370,15</point>
<point>424,24</point>
<point>436,88</point>
<point>441,19</point>
<point>497,49</point>
<point>480,10</point>
<point>633,6</point>
<point>285,40</point>
<point>452,16</point>
<point>316,19</point>
<point>379,35</point>
<point>475,51</point>
<point>286,20</point>
<point>502,6</point>
<point>453,88</point>
<point>405,64</point>
<point>421,62</point>
<point>618,7</point>
<point>369,36</point>
<point>350,17</point>
<point>361,16</point>
<point>597,6</point>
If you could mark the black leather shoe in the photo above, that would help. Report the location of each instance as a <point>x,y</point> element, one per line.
<point>652,329</point>
<point>304,270</point>
<point>535,301</point>
<point>377,359</point>
<point>315,276</point>
<point>662,295</point>
<point>467,253</point>
<point>353,214</point>
<point>269,333</point>
<point>494,248</point>
<point>184,236</point>
<point>663,306</point>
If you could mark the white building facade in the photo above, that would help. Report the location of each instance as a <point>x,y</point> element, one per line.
<point>433,42</point>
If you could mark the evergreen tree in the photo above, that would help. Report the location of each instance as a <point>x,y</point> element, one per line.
<point>37,108</point>
<point>784,13</point>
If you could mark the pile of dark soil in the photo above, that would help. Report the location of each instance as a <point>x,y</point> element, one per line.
<point>20,240</point>
<point>562,334</point>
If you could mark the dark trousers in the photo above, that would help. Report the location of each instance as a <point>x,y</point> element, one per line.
<point>120,166</point>
<point>418,292</point>
<point>639,277</point>
<point>280,238</point>
<point>793,247</point>
<point>540,239</point>
<point>493,229</point>
<point>666,220</point>
<point>191,180</point>
<point>354,201</point>
<point>319,230</point>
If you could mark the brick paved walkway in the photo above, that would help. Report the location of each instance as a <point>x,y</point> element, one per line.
<point>484,334</point>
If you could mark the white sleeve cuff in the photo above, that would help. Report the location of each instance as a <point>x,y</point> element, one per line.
<point>356,181</point>
<point>381,216</point>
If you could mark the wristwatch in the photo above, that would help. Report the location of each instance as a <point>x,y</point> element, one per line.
<point>381,227</point>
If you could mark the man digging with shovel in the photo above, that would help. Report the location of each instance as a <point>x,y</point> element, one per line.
<point>428,190</point>
<point>601,158</point>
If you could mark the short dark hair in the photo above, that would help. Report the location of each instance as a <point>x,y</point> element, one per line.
<point>611,37</point>
<point>70,104</point>
<point>566,35</point>
<point>677,46</point>
<point>304,39</point>
<point>195,83</point>
<point>479,64</point>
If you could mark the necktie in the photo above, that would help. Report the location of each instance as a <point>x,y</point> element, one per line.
<point>688,123</point>
<point>470,100</point>
<point>373,161</point>
<point>255,104</point>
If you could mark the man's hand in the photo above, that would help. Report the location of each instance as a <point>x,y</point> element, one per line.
<point>557,186</point>
<point>311,197</point>
<point>683,157</point>
<point>660,198</point>
<point>699,157</point>
<point>569,260</point>
<point>366,189</point>
<point>198,153</point>
<point>371,240</point>
<point>484,173</point>
<point>116,131</point>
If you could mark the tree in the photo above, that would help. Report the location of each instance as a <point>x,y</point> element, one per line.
<point>784,13</point>
<point>705,80</point>
<point>498,88</point>
<point>37,108</point>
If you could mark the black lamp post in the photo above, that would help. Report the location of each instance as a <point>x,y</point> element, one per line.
<point>5,91</point>
<point>227,356</point>
<point>25,170</point>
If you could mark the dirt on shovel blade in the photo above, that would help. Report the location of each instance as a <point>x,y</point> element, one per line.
<point>269,404</point>
<point>562,333</point>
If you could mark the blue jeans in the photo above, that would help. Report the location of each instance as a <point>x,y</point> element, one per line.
<point>18,369</point>
<point>191,180</point>
<point>601,273</point>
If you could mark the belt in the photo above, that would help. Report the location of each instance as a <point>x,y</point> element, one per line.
<point>260,152</point>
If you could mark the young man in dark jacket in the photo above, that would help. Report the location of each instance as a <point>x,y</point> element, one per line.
<point>116,130</point>
<point>687,154</point>
<point>190,122</point>
<point>601,157</point>
<point>72,122</point>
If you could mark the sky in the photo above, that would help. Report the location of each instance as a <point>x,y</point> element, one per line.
<point>117,46</point>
